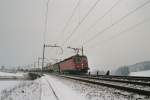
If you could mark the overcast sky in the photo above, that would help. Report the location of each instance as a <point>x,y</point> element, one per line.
<point>22,27</point>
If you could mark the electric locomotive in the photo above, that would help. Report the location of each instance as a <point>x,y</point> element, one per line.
<point>76,64</point>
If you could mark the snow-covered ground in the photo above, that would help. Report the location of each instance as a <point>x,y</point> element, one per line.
<point>25,90</point>
<point>97,92</point>
<point>6,84</point>
<point>45,88</point>
<point>51,87</point>
<point>63,92</point>
<point>11,74</point>
<point>18,75</point>
<point>141,73</point>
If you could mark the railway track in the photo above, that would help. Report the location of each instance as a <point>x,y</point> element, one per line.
<point>141,88</point>
<point>133,78</point>
<point>143,83</point>
<point>51,88</point>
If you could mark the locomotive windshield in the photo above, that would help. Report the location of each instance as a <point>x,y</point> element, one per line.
<point>78,59</point>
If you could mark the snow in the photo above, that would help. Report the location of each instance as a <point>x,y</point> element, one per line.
<point>16,89</point>
<point>10,74</point>
<point>40,89</point>
<point>18,75</point>
<point>141,73</point>
<point>98,92</point>
<point>50,87</point>
<point>23,90</point>
<point>7,84</point>
<point>47,93</point>
<point>63,92</point>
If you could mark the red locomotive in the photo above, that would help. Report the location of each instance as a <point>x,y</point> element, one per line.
<point>74,64</point>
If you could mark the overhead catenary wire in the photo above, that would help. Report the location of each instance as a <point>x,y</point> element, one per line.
<point>127,30</point>
<point>44,32</point>
<point>116,22</point>
<point>101,17</point>
<point>79,10</point>
<point>81,21</point>
<point>45,22</point>
<point>130,28</point>
<point>72,14</point>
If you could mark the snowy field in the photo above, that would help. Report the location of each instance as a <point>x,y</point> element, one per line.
<point>7,84</point>
<point>4,84</point>
<point>21,90</point>
<point>56,88</point>
<point>141,73</point>
<point>10,74</point>
<point>19,75</point>
<point>41,89</point>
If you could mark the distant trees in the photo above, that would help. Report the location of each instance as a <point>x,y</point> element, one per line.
<point>140,66</point>
<point>124,71</point>
<point>2,68</point>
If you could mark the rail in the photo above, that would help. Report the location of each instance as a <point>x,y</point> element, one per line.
<point>109,84</point>
<point>52,89</point>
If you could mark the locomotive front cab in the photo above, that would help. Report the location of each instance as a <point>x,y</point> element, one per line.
<point>81,63</point>
<point>77,59</point>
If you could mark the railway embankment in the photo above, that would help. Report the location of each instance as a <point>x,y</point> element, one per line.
<point>141,88</point>
<point>34,76</point>
<point>19,76</point>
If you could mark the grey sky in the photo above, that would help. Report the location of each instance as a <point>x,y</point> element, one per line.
<point>22,26</point>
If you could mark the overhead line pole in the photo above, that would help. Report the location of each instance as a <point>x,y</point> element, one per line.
<point>43,57</point>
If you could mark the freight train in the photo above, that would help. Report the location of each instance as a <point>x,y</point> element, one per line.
<point>76,64</point>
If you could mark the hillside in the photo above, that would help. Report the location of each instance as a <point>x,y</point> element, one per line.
<point>126,70</point>
<point>142,66</point>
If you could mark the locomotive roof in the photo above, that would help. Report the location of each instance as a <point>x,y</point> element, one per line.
<point>70,58</point>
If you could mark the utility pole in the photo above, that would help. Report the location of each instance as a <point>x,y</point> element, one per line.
<point>39,58</point>
<point>43,57</point>
<point>34,64</point>
<point>82,50</point>
<point>38,62</point>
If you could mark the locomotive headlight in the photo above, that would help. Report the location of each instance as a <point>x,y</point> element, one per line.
<point>82,65</point>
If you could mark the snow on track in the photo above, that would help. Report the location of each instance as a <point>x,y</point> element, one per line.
<point>51,87</point>
<point>62,91</point>
<point>46,91</point>
<point>98,92</point>
<point>44,88</point>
